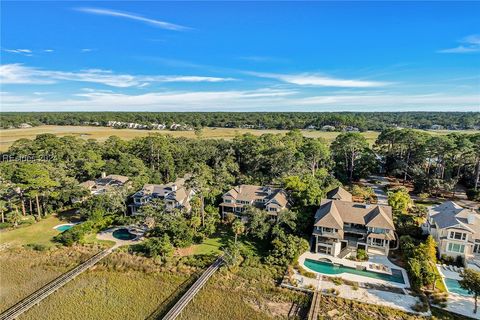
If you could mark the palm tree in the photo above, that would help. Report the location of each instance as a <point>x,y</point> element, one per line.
<point>238,228</point>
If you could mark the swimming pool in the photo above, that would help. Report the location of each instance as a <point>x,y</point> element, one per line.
<point>453,286</point>
<point>63,227</point>
<point>123,234</point>
<point>329,268</point>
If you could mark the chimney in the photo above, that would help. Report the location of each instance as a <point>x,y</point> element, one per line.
<point>104,174</point>
<point>471,218</point>
<point>174,187</point>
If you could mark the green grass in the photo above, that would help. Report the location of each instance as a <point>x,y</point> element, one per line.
<point>41,232</point>
<point>91,238</point>
<point>208,246</point>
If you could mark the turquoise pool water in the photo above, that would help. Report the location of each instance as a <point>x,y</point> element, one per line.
<point>329,268</point>
<point>123,234</point>
<point>64,227</point>
<point>454,287</point>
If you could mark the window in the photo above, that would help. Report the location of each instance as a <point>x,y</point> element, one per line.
<point>329,230</point>
<point>227,201</point>
<point>376,242</point>
<point>376,230</point>
<point>457,235</point>
<point>272,209</point>
<point>456,247</point>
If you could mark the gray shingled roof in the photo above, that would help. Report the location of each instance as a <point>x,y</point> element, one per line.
<point>246,192</point>
<point>449,214</point>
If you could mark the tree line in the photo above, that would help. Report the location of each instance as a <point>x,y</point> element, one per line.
<point>304,166</point>
<point>376,121</point>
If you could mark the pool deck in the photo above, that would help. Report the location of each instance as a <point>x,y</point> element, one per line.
<point>377,259</point>
<point>108,235</point>
<point>403,302</point>
<point>457,303</point>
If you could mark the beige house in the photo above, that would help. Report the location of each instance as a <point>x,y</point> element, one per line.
<point>267,198</point>
<point>456,230</point>
<point>341,227</point>
<point>103,184</point>
<point>175,195</point>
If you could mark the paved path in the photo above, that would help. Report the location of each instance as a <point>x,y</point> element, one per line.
<point>35,298</point>
<point>382,197</point>
<point>194,289</point>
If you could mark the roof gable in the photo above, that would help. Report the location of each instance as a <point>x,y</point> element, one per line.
<point>328,216</point>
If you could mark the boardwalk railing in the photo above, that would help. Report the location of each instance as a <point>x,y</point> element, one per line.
<point>175,311</point>
<point>35,298</point>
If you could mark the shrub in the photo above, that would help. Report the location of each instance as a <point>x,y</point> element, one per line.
<point>447,259</point>
<point>337,281</point>
<point>362,255</point>
<point>439,298</point>
<point>354,286</point>
<point>332,291</point>
<point>4,225</point>
<point>37,246</point>
<point>460,261</point>
<point>473,194</point>
<point>422,305</point>
<point>424,196</point>
<point>304,272</point>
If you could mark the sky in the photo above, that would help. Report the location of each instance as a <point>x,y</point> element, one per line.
<point>239,56</point>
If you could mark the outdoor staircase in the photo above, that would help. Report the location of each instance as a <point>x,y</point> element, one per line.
<point>345,252</point>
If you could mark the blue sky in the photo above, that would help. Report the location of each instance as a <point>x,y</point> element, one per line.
<point>239,56</point>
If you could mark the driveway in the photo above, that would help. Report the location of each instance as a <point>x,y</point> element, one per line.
<point>382,197</point>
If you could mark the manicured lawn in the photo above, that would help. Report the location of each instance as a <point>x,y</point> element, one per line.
<point>208,246</point>
<point>41,232</point>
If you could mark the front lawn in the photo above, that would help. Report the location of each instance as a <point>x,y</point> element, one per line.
<point>40,232</point>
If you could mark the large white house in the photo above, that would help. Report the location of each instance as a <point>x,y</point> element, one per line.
<point>175,195</point>
<point>456,230</point>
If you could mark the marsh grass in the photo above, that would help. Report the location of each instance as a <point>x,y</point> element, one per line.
<point>22,271</point>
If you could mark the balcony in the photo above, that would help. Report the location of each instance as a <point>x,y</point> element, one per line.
<point>355,229</point>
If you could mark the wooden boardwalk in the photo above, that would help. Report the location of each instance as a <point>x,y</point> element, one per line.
<point>315,306</point>
<point>16,310</point>
<point>175,311</point>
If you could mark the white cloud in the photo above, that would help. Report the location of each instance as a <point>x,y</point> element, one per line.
<point>267,99</point>
<point>48,50</point>
<point>24,52</point>
<point>468,44</point>
<point>18,74</point>
<point>86,50</point>
<point>308,79</point>
<point>131,16</point>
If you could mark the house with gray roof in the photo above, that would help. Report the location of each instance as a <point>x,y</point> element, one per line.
<point>341,227</point>
<point>175,195</point>
<point>456,230</point>
<point>105,183</point>
<point>273,200</point>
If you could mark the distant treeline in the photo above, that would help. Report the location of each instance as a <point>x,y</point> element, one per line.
<point>258,120</point>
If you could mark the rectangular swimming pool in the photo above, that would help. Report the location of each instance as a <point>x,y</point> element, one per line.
<point>453,286</point>
<point>329,268</point>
